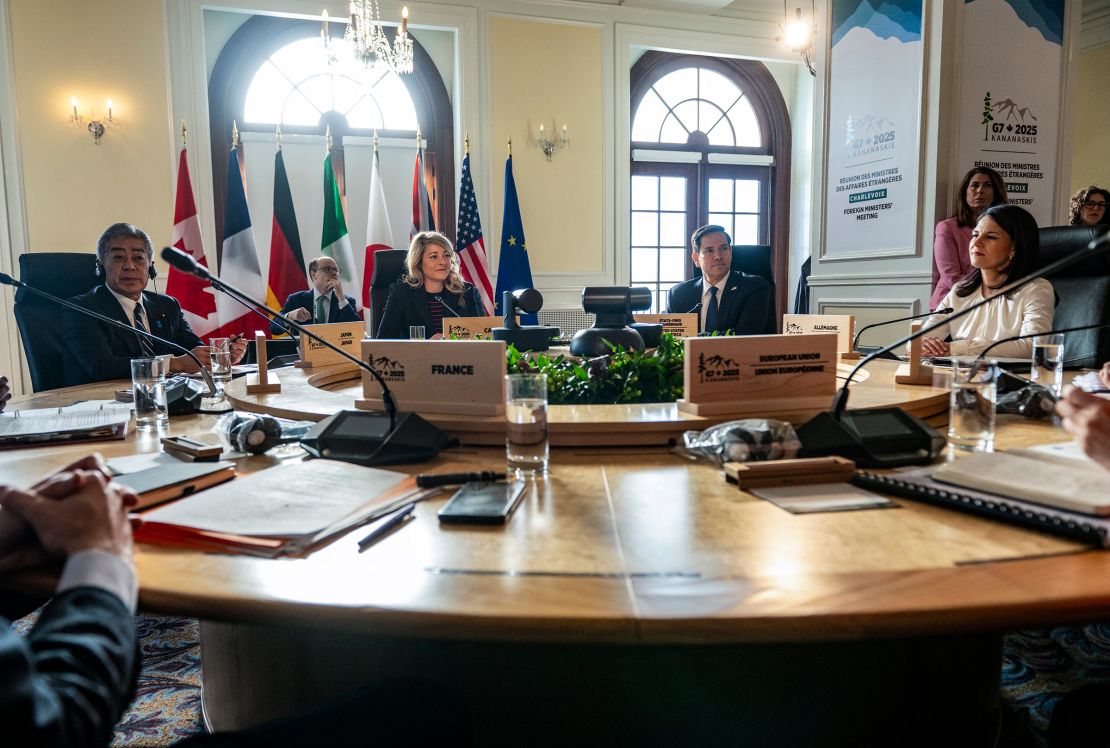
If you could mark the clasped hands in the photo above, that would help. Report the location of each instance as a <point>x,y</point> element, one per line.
<point>237,346</point>
<point>79,508</point>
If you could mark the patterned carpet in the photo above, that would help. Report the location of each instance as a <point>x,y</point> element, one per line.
<point>166,708</point>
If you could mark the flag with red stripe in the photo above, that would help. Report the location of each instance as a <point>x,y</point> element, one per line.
<point>198,303</point>
<point>422,217</point>
<point>470,244</point>
<point>379,234</point>
<point>287,269</point>
<point>239,265</point>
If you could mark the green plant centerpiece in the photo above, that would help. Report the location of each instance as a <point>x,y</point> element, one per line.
<point>622,376</point>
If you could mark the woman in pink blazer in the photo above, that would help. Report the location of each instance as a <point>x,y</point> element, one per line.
<point>980,188</point>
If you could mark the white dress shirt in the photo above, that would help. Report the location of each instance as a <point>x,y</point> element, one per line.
<point>705,286</point>
<point>103,570</point>
<point>129,309</point>
<point>1028,310</point>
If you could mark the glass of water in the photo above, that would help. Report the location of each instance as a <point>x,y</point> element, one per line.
<point>971,407</point>
<point>1048,362</point>
<point>219,361</point>
<point>148,382</point>
<point>526,427</point>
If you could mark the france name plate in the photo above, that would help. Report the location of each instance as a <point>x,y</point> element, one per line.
<point>345,335</point>
<point>462,377</point>
<point>843,325</point>
<point>470,328</point>
<point>754,374</point>
<point>679,325</point>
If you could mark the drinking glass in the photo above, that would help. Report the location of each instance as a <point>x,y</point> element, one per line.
<point>526,424</point>
<point>1048,362</point>
<point>148,382</point>
<point>971,408</point>
<point>219,362</point>
<point>416,332</point>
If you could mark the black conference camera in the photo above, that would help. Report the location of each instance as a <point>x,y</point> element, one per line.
<point>523,337</point>
<point>612,307</point>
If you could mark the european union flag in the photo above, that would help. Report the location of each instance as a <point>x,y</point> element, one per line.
<point>513,270</point>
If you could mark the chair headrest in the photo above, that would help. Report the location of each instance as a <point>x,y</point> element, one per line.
<point>1062,241</point>
<point>389,265</point>
<point>63,274</point>
<point>753,259</point>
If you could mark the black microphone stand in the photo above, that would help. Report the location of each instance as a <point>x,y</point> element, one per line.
<point>212,391</point>
<point>865,328</point>
<point>1081,328</point>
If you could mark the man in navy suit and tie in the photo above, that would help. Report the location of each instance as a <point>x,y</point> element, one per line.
<point>96,351</point>
<point>324,302</point>
<point>730,302</point>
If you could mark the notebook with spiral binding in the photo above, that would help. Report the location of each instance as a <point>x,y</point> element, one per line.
<point>919,485</point>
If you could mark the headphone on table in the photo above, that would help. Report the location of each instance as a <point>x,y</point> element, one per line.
<point>253,434</point>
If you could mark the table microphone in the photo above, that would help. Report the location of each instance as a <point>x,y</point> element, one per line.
<point>1096,326</point>
<point>212,392</point>
<point>865,328</point>
<point>446,306</point>
<point>888,437</point>
<point>409,438</point>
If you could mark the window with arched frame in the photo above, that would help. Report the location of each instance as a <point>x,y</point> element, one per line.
<point>274,71</point>
<point>710,144</point>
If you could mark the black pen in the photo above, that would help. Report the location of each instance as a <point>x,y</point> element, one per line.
<point>401,516</point>
<point>449,479</point>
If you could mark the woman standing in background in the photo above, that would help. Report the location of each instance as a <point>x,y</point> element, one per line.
<point>980,188</point>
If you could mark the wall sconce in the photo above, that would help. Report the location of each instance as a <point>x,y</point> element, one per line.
<point>548,145</point>
<point>96,127</point>
<point>799,35</point>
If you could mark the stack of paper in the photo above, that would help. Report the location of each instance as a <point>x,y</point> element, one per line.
<point>85,421</point>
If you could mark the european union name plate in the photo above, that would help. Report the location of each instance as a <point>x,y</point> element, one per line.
<point>759,374</point>
<point>470,328</point>
<point>345,335</point>
<point>844,325</point>
<point>679,325</point>
<point>461,377</point>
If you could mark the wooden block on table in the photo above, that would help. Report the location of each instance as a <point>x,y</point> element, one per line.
<point>789,472</point>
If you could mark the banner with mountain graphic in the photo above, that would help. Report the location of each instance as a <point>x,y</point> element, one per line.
<point>1010,84</point>
<point>874,127</point>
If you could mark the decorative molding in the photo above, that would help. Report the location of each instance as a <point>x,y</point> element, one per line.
<point>1095,27</point>
<point>870,279</point>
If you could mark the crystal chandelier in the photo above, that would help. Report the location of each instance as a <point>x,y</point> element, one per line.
<point>368,42</point>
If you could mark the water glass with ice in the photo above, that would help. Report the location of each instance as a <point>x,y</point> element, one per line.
<point>1048,362</point>
<point>971,407</point>
<point>148,382</point>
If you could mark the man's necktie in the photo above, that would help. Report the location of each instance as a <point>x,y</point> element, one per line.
<point>711,310</point>
<point>145,343</point>
<point>321,313</point>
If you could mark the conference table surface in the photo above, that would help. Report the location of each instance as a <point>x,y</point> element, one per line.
<point>626,545</point>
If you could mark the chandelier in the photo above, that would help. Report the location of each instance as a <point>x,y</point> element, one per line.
<point>368,42</point>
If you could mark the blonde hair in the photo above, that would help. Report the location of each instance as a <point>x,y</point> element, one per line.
<point>414,276</point>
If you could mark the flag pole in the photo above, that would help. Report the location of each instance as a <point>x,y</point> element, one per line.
<point>327,141</point>
<point>277,137</point>
<point>234,134</point>
<point>466,144</point>
<point>184,130</point>
<point>509,144</point>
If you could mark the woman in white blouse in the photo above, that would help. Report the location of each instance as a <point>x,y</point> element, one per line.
<point>1004,247</point>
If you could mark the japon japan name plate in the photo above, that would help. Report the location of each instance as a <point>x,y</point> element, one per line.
<point>758,374</point>
<point>345,335</point>
<point>461,377</point>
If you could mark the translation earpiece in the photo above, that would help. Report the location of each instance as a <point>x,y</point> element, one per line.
<point>153,271</point>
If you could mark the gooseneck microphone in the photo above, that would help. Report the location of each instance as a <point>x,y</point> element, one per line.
<point>446,306</point>
<point>1095,326</point>
<point>212,392</point>
<point>865,328</point>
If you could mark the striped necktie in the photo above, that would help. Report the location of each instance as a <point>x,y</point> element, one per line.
<point>145,343</point>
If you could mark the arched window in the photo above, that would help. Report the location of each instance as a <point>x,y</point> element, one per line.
<point>274,71</point>
<point>710,144</point>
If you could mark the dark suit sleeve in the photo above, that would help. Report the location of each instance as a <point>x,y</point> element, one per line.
<point>393,316</point>
<point>473,303</point>
<point>67,683</point>
<point>675,301</point>
<point>349,313</point>
<point>87,341</point>
<point>277,326</point>
<point>753,306</point>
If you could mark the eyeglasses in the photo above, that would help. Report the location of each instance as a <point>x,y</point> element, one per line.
<point>1092,205</point>
<point>328,270</point>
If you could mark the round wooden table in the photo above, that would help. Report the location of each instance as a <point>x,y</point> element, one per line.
<point>634,597</point>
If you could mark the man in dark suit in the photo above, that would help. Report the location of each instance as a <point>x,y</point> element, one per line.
<point>95,351</point>
<point>729,301</point>
<point>67,682</point>
<point>324,302</point>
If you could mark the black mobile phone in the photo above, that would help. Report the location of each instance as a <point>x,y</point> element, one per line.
<point>482,503</point>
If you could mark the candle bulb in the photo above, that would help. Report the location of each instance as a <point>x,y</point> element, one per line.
<point>405,19</point>
<point>109,110</point>
<point>541,132</point>
<point>324,30</point>
<point>73,103</point>
<point>564,133</point>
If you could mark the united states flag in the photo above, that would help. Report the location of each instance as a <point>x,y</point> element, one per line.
<point>470,244</point>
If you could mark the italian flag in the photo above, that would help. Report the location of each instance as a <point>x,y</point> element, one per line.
<point>335,242</point>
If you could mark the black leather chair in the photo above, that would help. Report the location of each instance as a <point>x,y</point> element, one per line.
<point>389,265</point>
<point>1083,293</point>
<point>755,259</point>
<point>63,274</point>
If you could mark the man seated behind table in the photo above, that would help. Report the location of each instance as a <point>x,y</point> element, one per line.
<point>1005,246</point>
<point>324,302</point>
<point>730,301</point>
<point>430,290</point>
<point>96,351</point>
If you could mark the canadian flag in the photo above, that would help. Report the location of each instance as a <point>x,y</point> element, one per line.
<point>196,297</point>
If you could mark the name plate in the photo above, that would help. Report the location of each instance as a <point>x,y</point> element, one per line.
<point>470,328</point>
<point>757,374</point>
<point>679,325</point>
<point>844,325</point>
<point>460,377</point>
<point>345,335</point>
